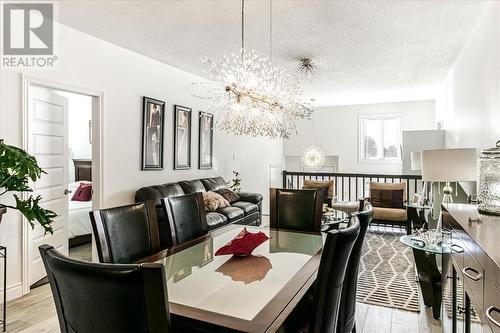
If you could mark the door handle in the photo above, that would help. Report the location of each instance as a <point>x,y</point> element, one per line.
<point>488,315</point>
<point>458,249</point>
<point>478,276</point>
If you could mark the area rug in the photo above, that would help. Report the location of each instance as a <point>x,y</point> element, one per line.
<point>386,271</point>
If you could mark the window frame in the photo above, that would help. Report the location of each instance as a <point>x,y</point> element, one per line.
<point>379,117</point>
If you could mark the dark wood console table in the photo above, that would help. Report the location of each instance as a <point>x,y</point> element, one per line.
<point>471,271</point>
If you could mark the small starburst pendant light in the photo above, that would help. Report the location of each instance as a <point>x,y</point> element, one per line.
<point>251,96</point>
<point>312,158</point>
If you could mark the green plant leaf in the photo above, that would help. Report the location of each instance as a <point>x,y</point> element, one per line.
<point>16,163</point>
<point>31,209</point>
<point>17,167</point>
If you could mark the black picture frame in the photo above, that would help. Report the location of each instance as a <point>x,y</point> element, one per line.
<point>153,133</point>
<point>205,128</point>
<point>182,137</point>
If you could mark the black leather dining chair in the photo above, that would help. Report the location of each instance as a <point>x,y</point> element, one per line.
<point>186,216</point>
<point>298,210</point>
<point>347,318</point>
<point>320,314</point>
<point>127,233</point>
<point>91,297</point>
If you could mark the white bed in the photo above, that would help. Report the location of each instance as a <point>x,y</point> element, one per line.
<point>79,219</point>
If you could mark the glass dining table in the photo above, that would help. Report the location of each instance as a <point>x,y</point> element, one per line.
<point>248,294</point>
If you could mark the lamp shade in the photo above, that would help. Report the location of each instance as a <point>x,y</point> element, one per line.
<point>449,165</point>
<point>416,161</point>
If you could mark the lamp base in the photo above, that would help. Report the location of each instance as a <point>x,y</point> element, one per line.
<point>447,198</point>
<point>447,193</point>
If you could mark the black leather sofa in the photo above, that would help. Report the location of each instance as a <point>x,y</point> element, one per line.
<point>246,211</point>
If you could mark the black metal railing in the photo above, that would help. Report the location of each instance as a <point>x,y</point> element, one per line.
<point>352,186</point>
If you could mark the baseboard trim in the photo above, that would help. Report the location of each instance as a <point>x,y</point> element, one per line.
<point>14,291</point>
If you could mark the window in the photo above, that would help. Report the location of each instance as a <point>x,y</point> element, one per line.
<point>379,138</point>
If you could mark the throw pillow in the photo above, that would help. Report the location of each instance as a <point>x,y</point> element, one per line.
<point>229,195</point>
<point>83,192</point>
<point>214,201</point>
<point>387,198</point>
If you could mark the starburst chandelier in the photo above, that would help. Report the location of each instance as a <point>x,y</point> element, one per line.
<point>251,95</point>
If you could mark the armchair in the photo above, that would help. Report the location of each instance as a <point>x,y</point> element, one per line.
<point>388,201</point>
<point>325,185</point>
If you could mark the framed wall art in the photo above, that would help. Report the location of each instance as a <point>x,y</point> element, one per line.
<point>205,140</point>
<point>152,133</point>
<point>182,137</point>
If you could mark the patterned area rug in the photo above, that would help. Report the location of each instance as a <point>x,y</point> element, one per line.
<point>386,271</point>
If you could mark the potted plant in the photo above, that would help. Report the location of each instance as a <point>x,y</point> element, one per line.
<point>17,167</point>
<point>235,183</point>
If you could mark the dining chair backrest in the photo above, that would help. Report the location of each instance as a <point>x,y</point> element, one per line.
<point>331,273</point>
<point>187,217</point>
<point>347,319</point>
<point>91,297</point>
<point>298,210</point>
<point>127,233</point>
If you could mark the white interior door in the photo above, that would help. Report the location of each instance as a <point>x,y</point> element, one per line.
<point>47,139</point>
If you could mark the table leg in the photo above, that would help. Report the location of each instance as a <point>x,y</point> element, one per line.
<point>412,219</point>
<point>429,278</point>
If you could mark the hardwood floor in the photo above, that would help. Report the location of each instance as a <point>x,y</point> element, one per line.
<point>35,312</point>
<point>373,318</point>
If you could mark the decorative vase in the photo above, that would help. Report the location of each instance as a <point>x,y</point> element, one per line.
<point>488,191</point>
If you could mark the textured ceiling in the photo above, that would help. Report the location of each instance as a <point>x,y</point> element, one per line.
<point>362,47</point>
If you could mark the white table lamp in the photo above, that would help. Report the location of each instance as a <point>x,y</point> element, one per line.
<point>449,165</point>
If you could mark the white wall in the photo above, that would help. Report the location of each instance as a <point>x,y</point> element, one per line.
<point>470,104</point>
<point>335,130</point>
<point>124,77</point>
<point>79,115</point>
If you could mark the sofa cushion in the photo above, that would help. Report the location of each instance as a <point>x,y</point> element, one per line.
<point>215,220</point>
<point>232,213</point>
<point>374,186</point>
<point>228,194</point>
<point>192,186</point>
<point>158,192</point>
<point>214,184</point>
<point>389,214</point>
<point>255,198</point>
<point>247,207</point>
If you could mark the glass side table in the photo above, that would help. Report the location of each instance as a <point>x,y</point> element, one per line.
<point>416,216</point>
<point>428,273</point>
<point>332,219</point>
